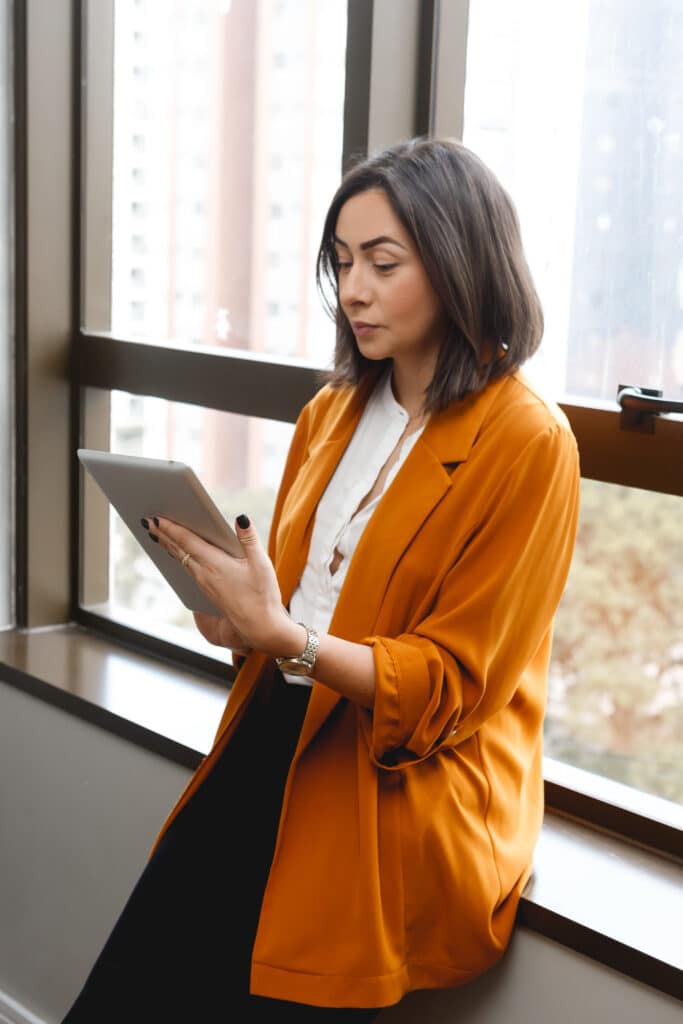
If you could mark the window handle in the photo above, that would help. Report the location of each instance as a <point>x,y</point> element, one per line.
<point>639,406</point>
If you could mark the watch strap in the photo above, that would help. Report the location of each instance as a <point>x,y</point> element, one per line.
<point>309,654</point>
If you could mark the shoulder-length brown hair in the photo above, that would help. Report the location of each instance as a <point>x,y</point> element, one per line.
<point>465,228</point>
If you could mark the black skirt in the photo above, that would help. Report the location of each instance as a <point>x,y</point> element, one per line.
<point>181,949</point>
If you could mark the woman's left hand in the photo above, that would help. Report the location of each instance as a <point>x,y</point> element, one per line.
<point>245,589</point>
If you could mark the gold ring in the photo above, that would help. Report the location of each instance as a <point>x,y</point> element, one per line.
<point>185,559</point>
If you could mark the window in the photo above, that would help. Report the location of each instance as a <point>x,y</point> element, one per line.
<point>209,107</point>
<point>231,329</point>
<point>596,179</point>
<point>239,460</point>
<point>229,242</point>
<point>616,681</point>
<point>6,361</point>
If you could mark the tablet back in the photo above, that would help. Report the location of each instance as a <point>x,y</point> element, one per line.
<point>139,487</point>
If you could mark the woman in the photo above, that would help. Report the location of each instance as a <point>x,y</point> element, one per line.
<point>370,832</point>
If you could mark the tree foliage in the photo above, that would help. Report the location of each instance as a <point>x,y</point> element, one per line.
<point>616,685</point>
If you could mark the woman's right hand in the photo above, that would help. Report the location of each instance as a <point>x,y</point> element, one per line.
<point>219,630</point>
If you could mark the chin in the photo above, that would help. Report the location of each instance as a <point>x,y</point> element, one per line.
<point>374,352</point>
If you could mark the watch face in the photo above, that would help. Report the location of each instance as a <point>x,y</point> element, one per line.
<point>294,667</point>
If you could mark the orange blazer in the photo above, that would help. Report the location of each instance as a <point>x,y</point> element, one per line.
<point>407,833</point>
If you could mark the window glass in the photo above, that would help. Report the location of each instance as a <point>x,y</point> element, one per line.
<point>6,433</point>
<point>577,107</point>
<point>227,150</point>
<point>615,703</point>
<point>239,460</point>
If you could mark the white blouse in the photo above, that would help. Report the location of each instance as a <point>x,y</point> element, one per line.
<point>336,527</point>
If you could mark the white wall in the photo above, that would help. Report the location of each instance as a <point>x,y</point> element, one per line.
<point>79,809</point>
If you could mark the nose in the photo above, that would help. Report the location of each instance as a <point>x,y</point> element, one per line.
<point>355,285</point>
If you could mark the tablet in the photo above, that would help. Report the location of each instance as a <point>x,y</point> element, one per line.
<point>138,488</point>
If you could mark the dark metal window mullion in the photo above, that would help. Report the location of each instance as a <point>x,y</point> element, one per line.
<point>236,383</point>
<point>428,41</point>
<point>75,503</point>
<point>357,81</point>
<point>617,456</point>
<point>20,315</point>
<point>212,379</point>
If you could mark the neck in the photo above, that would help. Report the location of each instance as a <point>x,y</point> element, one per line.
<point>409,386</point>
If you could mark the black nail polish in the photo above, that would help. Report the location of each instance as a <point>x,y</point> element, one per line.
<point>145,523</point>
<point>154,537</point>
<point>243,522</point>
<point>155,521</point>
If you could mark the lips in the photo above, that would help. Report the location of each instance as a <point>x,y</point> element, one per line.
<point>361,325</point>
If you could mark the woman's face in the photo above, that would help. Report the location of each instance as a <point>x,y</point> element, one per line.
<point>384,290</point>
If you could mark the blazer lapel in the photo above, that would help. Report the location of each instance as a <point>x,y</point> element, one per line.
<point>314,475</point>
<point>418,487</point>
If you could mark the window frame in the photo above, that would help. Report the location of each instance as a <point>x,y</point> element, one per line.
<point>213,378</point>
<point>611,451</point>
<point>434,37</point>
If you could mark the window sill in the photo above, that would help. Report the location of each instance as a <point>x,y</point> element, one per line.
<point>170,710</point>
<point>591,891</point>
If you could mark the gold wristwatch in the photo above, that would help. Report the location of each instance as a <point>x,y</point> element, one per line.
<point>304,664</point>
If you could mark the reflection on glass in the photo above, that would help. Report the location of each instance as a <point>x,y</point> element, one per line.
<point>615,702</point>
<point>227,149</point>
<point>577,107</point>
<point>5,322</point>
<point>239,461</point>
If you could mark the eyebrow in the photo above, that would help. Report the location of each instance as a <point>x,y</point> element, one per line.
<point>372,242</point>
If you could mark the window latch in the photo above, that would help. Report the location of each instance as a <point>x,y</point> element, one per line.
<point>639,406</point>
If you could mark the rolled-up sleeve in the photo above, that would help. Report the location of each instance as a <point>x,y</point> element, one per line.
<point>463,662</point>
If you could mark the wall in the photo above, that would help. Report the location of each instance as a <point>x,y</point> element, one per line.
<point>79,809</point>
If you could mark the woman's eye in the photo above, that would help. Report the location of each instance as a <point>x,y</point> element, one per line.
<point>384,268</point>
<point>342,266</point>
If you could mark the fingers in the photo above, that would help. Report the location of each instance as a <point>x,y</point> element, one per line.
<point>245,531</point>
<point>175,551</point>
<point>174,535</point>
<point>249,538</point>
<point>244,589</point>
<point>180,543</point>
